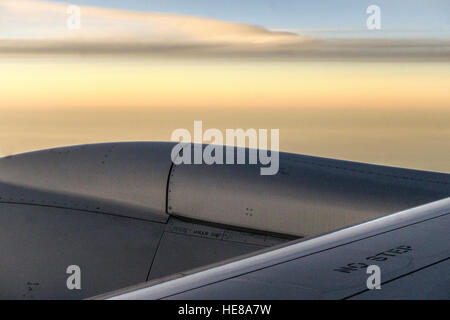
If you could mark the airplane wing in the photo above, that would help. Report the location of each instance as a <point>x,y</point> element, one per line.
<point>124,214</point>
<point>411,248</point>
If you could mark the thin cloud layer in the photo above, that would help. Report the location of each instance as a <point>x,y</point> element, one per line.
<point>34,27</point>
<point>46,20</point>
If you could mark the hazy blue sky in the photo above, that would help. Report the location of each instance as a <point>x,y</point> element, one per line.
<point>344,18</point>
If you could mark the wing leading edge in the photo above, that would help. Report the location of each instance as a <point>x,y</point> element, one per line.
<point>411,248</point>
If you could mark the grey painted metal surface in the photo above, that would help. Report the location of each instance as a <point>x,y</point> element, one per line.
<point>308,196</point>
<point>410,242</point>
<point>430,283</point>
<point>103,207</point>
<point>100,177</point>
<point>37,244</point>
<point>187,245</point>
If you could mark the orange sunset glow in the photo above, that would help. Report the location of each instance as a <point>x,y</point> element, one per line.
<point>136,75</point>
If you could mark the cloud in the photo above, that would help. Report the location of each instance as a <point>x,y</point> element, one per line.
<point>33,27</point>
<point>47,20</point>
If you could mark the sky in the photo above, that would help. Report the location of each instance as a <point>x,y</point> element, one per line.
<point>292,30</point>
<point>310,68</point>
<point>326,17</point>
